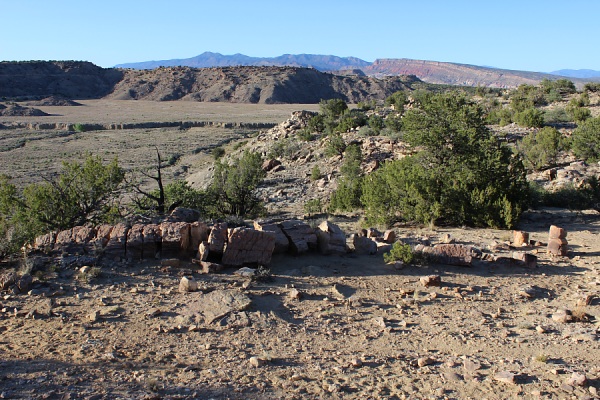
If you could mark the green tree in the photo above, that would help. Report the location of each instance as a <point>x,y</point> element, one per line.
<point>347,195</point>
<point>585,141</point>
<point>333,108</point>
<point>79,194</point>
<point>398,100</point>
<point>233,188</point>
<point>460,173</point>
<point>540,149</point>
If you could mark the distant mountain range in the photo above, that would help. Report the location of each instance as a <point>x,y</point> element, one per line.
<point>428,71</point>
<point>577,73</point>
<point>208,59</point>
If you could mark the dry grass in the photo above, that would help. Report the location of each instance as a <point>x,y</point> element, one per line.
<point>26,155</point>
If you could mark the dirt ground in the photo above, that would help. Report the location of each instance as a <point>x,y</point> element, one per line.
<point>359,329</point>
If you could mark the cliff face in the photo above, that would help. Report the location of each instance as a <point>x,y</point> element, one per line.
<point>70,79</point>
<point>454,74</point>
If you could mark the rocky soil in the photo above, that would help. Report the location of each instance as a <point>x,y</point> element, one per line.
<point>338,326</point>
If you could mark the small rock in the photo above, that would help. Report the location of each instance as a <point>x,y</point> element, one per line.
<point>505,377</point>
<point>94,316</point>
<point>424,361</point>
<point>256,362</point>
<point>188,284</point>
<point>389,236</point>
<point>356,363</point>
<point>380,322</point>
<point>577,379</point>
<point>562,316</point>
<point>520,238</point>
<point>170,262</point>
<point>294,294</point>
<point>431,280</point>
<point>471,365</point>
<point>245,271</point>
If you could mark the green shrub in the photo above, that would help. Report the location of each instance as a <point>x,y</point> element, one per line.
<point>585,197</point>
<point>556,115</point>
<point>313,206</point>
<point>399,252</point>
<point>592,87</point>
<point>461,173</point>
<point>315,173</point>
<point>335,145</point>
<point>347,195</point>
<point>398,100</point>
<point>333,108</point>
<point>585,141</point>
<point>284,148</point>
<point>579,114</point>
<point>217,152</point>
<point>530,118</point>
<point>306,135</point>
<point>540,149</point>
<point>79,128</point>
<point>233,188</point>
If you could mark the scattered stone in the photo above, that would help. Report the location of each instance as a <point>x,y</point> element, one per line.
<point>256,362</point>
<point>450,254</point>
<point>505,377</point>
<point>363,245</point>
<point>203,250</point>
<point>356,363</point>
<point>557,233</point>
<point>526,259</point>
<point>153,312</point>
<point>431,280</point>
<point>294,294</point>
<point>188,284</point>
<point>520,238</point>
<point>94,316</point>
<point>379,322</point>
<point>389,236</point>
<point>528,292</point>
<point>373,233</point>
<point>245,271</point>
<point>269,164</point>
<point>208,267</point>
<point>558,247</point>
<point>557,242</point>
<point>577,379</point>
<point>585,300</point>
<point>331,239</point>
<point>424,361</point>
<point>7,279</point>
<point>24,283</point>
<point>447,239</point>
<point>562,316</point>
<point>471,366</point>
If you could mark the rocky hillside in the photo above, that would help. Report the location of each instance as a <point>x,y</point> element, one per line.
<point>455,74</point>
<point>266,85</point>
<point>69,79</point>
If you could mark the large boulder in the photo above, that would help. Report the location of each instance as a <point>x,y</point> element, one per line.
<point>175,238</point>
<point>117,241</point>
<point>198,234</point>
<point>282,244</point>
<point>363,244</point>
<point>152,241</point>
<point>331,238</point>
<point>135,242</point>
<point>248,246</point>
<point>450,254</point>
<point>300,235</point>
<point>217,238</point>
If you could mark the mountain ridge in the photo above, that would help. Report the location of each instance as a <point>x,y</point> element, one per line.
<point>437,72</point>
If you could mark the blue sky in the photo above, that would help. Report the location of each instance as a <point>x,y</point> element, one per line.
<point>523,35</point>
